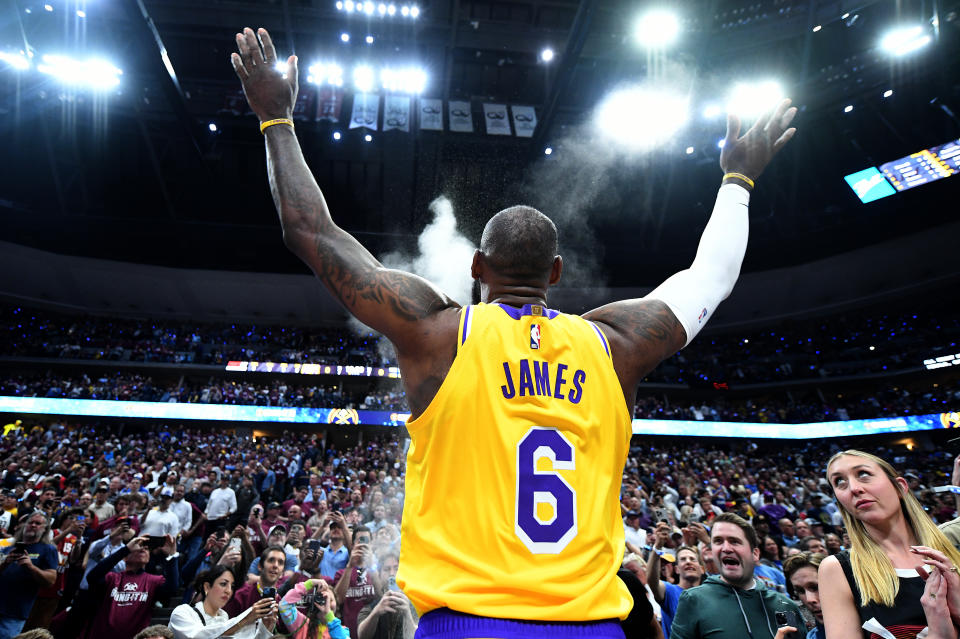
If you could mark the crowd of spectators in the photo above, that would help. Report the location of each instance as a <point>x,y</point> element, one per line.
<point>867,341</point>
<point>123,518</point>
<point>776,407</point>
<point>144,388</point>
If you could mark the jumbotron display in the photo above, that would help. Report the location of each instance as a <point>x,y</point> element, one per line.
<point>907,172</point>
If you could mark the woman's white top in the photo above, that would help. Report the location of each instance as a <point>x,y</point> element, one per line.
<point>186,624</point>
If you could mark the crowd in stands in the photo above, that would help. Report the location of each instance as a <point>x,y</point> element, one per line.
<point>866,341</point>
<point>781,408</point>
<point>122,519</point>
<point>136,387</point>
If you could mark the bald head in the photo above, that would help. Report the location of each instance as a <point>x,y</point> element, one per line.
<point>520,243</point>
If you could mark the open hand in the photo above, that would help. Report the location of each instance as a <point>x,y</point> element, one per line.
<point>271,93</point>
<point>751,153</point>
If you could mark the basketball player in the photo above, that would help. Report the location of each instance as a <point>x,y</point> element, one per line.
<point>520,414</point>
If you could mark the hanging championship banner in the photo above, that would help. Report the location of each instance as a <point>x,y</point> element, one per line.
<point>524,120</point>
<point>329,103</point>
<point>495,115</point>
<point>366,109</point>
<point>396,113</point>
<point>431,114</point>
<point>301,108</point>
<point>461,119</point>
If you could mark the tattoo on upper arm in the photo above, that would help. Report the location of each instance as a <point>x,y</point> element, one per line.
<point>406,297</point>
<point>650,321</point>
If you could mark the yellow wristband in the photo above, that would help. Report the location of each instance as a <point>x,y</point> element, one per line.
<point>264,125</point>
<point>739,176</point>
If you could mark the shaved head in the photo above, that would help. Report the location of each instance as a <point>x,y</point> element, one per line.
<point>520,243</point>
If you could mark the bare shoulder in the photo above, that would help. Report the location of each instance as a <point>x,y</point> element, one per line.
<point>426,359</point>
<point>642,333</point>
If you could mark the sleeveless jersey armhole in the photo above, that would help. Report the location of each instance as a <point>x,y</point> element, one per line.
<point>603,339</point>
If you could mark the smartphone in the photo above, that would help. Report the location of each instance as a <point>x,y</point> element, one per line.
<point>81,518</point>
<point>155,541</point>
<point>661,515</point>
<point>20,548</point>
<point>314,545</point>
<point>783,619</point>
<point>269,593</point>
<point>235,543</point>
<point>392,584</point>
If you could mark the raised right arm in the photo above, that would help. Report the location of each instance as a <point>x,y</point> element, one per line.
<point>390,301</point>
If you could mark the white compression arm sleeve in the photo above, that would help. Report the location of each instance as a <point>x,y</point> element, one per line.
<point>694,294</point>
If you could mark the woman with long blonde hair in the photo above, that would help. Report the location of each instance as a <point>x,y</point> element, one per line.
<point>900,573</point>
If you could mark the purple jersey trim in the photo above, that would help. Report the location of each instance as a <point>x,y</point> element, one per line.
<point>444,623</point>
<point>527,310</point>
<point>466,325</point>
<point>603,338</point>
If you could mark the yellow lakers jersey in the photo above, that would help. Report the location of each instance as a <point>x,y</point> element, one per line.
<point>513,474</point>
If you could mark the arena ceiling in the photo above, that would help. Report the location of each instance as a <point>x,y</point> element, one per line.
<point>137,174</point>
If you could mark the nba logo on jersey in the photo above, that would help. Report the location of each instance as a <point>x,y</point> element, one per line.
<point>534,336</point>
<point>703,314</point>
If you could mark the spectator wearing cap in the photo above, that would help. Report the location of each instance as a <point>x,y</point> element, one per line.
<point>222,503</point>
<point>271,518</point>
<point>8,516</point>
<point>276,537</point>
<point>161,520</point>
<point>632,530</point>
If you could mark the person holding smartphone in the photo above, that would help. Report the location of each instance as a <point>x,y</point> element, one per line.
<point>309,608</point>
<point>27,566</point>
<point>272,563</point>
<point>206,617</point>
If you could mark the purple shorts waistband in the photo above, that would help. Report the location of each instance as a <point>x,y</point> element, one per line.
<point>444,623</point>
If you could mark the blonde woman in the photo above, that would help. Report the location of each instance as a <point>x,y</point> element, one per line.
<point>900,574</point>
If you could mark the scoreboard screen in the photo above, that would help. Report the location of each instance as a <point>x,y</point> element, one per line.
<point>913,170</point>
<point>923,167</point>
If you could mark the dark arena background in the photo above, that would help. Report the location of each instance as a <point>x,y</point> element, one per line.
<point>156,332</point>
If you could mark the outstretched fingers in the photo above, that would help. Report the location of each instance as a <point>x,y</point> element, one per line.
<point>733,130</point>
<point>269,51</point>
<point>783,139</point>
<point>238,67</point>
<point>249,48</point>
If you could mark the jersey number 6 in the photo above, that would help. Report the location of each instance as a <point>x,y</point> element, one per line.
<point>534,487</point>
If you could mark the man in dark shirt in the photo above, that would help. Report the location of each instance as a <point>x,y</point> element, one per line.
<point>272,562</point>
<point>26,567</point>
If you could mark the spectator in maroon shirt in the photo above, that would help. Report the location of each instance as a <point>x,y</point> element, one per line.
<point>272,519</point>
<point>272,562</point>
<point>298,500</point>
<point>129,596</point>
<point>355,588</point>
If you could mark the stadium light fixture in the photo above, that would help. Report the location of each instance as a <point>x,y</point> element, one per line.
<point>344,37</point>
<point>94,73</point>
<point>382,9</point>
<point>414,12</point>
<point>368,8</point>
<point>904,40</point>
<point>349,6</point>
<point>690,150</point>
<point>411,80</point>
<point>391,9</point>
<point>213,127</point>
<point>369,39</point>
<point>657,29</point>
<point>368,138</point>
<point>17,61</point>
<point>712,111</point>
<point>548,151</point>
<point>336,135</point>
<point>750,100</point>
<point>81,13</point>
<point>547,54</point>
<point>363,78</point>
<point>888,93</point>
<point>322,73</point>
<point>641,118</point>
<point>48,7</point>
<point>817,28</point>
<point>721,142</point>
<point>848,108</point>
